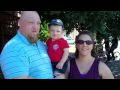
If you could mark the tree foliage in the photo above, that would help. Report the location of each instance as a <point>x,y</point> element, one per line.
<point>104,23</point>
<point>44,34</point>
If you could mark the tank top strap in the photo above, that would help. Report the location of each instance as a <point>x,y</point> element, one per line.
<point>72,63</point>
<point>74,73</point>
<point>94,67</point>
<point>96,63</point>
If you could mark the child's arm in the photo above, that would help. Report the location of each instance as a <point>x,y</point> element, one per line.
<point>63,59</point>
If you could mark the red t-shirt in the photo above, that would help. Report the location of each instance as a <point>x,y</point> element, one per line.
<point>55,49</point>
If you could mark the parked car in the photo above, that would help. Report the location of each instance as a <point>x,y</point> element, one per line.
<point>70,40</point>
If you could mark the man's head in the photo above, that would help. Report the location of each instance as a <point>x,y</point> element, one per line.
<point>56,28</point>
<point>29,24</point>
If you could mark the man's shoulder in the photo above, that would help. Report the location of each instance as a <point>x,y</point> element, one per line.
<point>13,42</point>
<point>12,45</point>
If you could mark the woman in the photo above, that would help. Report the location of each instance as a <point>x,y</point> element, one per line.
<point>86,65</point>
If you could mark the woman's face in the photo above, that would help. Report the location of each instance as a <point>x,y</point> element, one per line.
<point>84,45</point>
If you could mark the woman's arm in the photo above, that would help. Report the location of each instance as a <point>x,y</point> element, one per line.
<point>105,71</point>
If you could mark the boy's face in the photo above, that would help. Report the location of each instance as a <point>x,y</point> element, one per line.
<point>55,32</point>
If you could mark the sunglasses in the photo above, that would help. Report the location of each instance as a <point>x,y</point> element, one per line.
<point>88,42</point>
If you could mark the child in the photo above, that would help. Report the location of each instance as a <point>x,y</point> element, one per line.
<point>58,48</point>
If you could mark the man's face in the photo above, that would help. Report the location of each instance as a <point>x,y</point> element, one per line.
<point>55,32</point>
<point>30,26</point>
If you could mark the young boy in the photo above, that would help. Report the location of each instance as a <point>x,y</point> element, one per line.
<point>58,48</point>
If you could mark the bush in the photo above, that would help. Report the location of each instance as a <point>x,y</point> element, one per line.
<point>44,34</point>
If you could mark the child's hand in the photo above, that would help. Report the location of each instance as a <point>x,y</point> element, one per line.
<point>60,65</point>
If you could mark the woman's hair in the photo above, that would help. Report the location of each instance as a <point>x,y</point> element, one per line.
<point>93,53</point>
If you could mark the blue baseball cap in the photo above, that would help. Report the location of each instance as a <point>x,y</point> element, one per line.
<point>56,22</point>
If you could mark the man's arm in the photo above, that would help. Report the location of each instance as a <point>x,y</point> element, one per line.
<point>14,66</point>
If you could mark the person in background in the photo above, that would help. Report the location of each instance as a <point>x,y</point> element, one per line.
<point>107,48</point>
<point>113,47</point>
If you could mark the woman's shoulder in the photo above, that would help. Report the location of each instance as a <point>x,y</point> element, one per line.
<point>103,67</point>
<point>105,71</point>
<point>102,64</point>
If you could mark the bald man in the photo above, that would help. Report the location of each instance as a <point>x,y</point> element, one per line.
<point>25,56</point>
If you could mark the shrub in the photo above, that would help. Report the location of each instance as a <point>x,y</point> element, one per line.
<point>44,34</point>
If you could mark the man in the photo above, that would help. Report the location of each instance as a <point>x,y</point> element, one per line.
<point>107,48</point>
<point>24,56</point>
<point>113,47</point>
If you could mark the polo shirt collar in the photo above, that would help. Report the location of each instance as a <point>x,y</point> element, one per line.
<point>23,38</point>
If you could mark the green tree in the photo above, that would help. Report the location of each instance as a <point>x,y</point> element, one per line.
<point>104,23</point>
<point>44,34</point>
